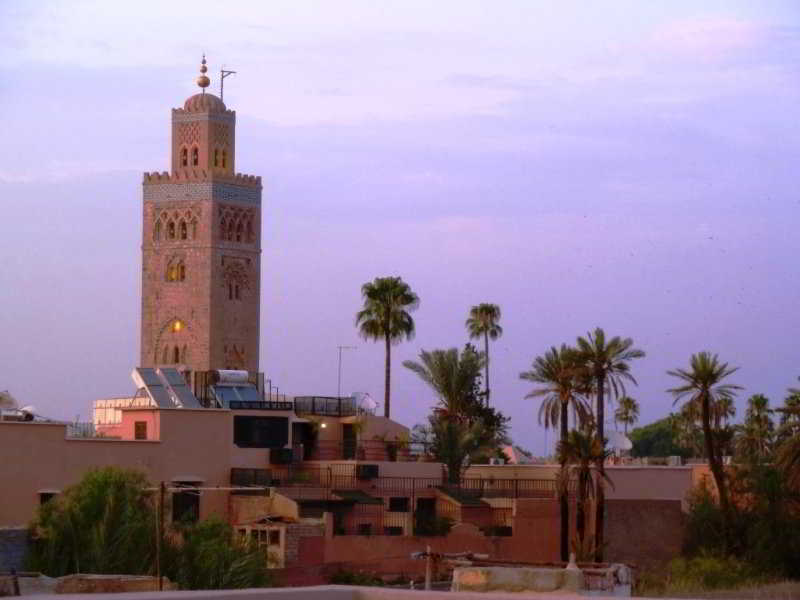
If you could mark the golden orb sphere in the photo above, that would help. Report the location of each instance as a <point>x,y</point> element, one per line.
<point>203,81</point>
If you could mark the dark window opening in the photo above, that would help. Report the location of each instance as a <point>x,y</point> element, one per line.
<point>176,355</point>
<point>184,157</point>
<point>157,232</point>
<point>224,159</point>
<point>230,291</point>
<point>216,157</point>
<point>365,529</point>
<point>236,292</point>
<point>195,157</point>
<point>140,430</point>
<point>45,497</point>
<point>399,504</point>
<point>274,537</point>
<point>194,230</point>
<point>392,531</point>
<point>186,506</point>
<point>239,232</point>
<point>171,230</point>
<point>184,230</point>
<point>260,432</point>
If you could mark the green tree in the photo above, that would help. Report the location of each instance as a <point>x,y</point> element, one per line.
<point>385,315</point>
<point>483,322</point>
<point>103,524</point>
<point>561,385</point>
<point>577,454</point>
<point>462,428</point>
<point>627,412</point>
<point>702,385</point>
<point>450,374</point>
<point>756,434</point>
<point>788,453</point>
<point>608,363</point>
<point>657,439</point>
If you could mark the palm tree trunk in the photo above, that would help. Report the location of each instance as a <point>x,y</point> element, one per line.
<point>486,349</point>
<point>386,400</point>
<point>580,519</point>
<point>600,504</point>
<point>564,502</point>
<point>715,462</point>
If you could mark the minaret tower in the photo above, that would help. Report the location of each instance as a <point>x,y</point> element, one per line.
<point>201,247</point>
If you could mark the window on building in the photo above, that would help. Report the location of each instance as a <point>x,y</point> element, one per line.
<point>171,230</point>
<point>177,326</point>
<point>181,271</point>
<point>230,291</point>
<point>392,531</point>
<point>231,229</point>
<point>399,504</point>
<point>260,432</point>
<point>176,355</point>
<point>45,497</point>
<point>194,229</point>
<point>140,430</point>
<point>239,232</point>
<point>249,231</point>
<point>236,291</point>
<point>224,159</point>
<point>184,230</point>
<point>183,354</point>
<point>195,157</point>
<point>216,157</point>
<point>165,356</point>
<point>365,529</point>
<point>157,232</point>
<point>186,506</point>
<point>274,537</point>
<point>184,157</point>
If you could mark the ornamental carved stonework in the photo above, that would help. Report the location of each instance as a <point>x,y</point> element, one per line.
<point>236,271</point>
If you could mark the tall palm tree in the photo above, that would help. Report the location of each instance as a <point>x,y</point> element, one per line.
<point>702,386</point>
<point>387,302</point>
<point>608,363</point>
<point>788,455</point>
<point>722,411</point>
<point>757,432</point>
<point>577,454</point>
<point>627,412</point>
<point>450,374</point>
<point>482,322</point>
<point>562,385</point>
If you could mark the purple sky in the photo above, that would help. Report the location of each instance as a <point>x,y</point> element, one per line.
<point>630,165</point>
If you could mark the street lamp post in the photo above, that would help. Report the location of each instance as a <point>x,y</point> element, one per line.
<point>339,382</point>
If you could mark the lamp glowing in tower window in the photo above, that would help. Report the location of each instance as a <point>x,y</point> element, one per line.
<point>177,326</point>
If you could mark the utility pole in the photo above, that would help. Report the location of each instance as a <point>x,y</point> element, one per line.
<point>339,382</point>
<point>161,494</point>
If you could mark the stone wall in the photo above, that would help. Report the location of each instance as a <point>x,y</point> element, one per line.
<point>646,533</point>
<point>297,551</point>
<point>13,548</point>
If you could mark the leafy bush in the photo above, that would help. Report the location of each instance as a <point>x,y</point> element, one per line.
<point>104,524</point>
<point>709,572</point>
<point>211,557</point>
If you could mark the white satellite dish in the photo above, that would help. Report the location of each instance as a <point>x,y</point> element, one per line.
<point>619,441</point>
<point>28,409</point>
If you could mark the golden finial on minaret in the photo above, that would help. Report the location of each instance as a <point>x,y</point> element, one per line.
<point>202,80</point>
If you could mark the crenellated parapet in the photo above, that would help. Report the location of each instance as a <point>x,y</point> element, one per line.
<point>201,175</point>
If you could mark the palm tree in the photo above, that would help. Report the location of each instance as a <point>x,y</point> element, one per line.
<point>450,374</point>
<point>756,437</point>
<point>788,455</point>
<point>722,411</point>
<point>453,442</point>
<point>387,302</point>
<point>607,362</point>
<point>482,322</point>
<point>562,384</point>
<point>702,386</point>
<point>580,450</point>
<point>627,412</point>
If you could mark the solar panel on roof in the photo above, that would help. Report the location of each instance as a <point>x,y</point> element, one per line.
<point>177,385</point>
<point>151,382</point>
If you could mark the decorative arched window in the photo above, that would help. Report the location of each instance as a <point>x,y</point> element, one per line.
<point>184,157</point>
<point>183,354</point>
<point>195,157</point>
<point>249,231</point>
<point>224,159</point>
<point>194,229</point>
<point>177,326</point>
<point>223,228</point>
<point>230,291</point>
<point>165,356</point>
<point>230,230</point>
<point>157,232</point>
<point>216,157</point>
<point>171,230</point>
<point>236,291</point>
<point>181,271</point>
<point>239,232</point>
<point>184,230</point>
<point>176,355</point>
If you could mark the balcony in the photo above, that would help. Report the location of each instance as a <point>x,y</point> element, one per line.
<point>328,406</point>
<point>366,450</point>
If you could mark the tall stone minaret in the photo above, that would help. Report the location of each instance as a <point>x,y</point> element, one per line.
<point>201,247</point>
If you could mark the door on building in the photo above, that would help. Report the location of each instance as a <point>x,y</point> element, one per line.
<point>304,436</point>
<point>425,517</point>
<point>349,441</point>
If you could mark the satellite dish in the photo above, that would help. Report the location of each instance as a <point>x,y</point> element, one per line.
<point>28,409</point>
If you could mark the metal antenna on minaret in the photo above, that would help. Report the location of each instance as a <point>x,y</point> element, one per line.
<point>223,74</point>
